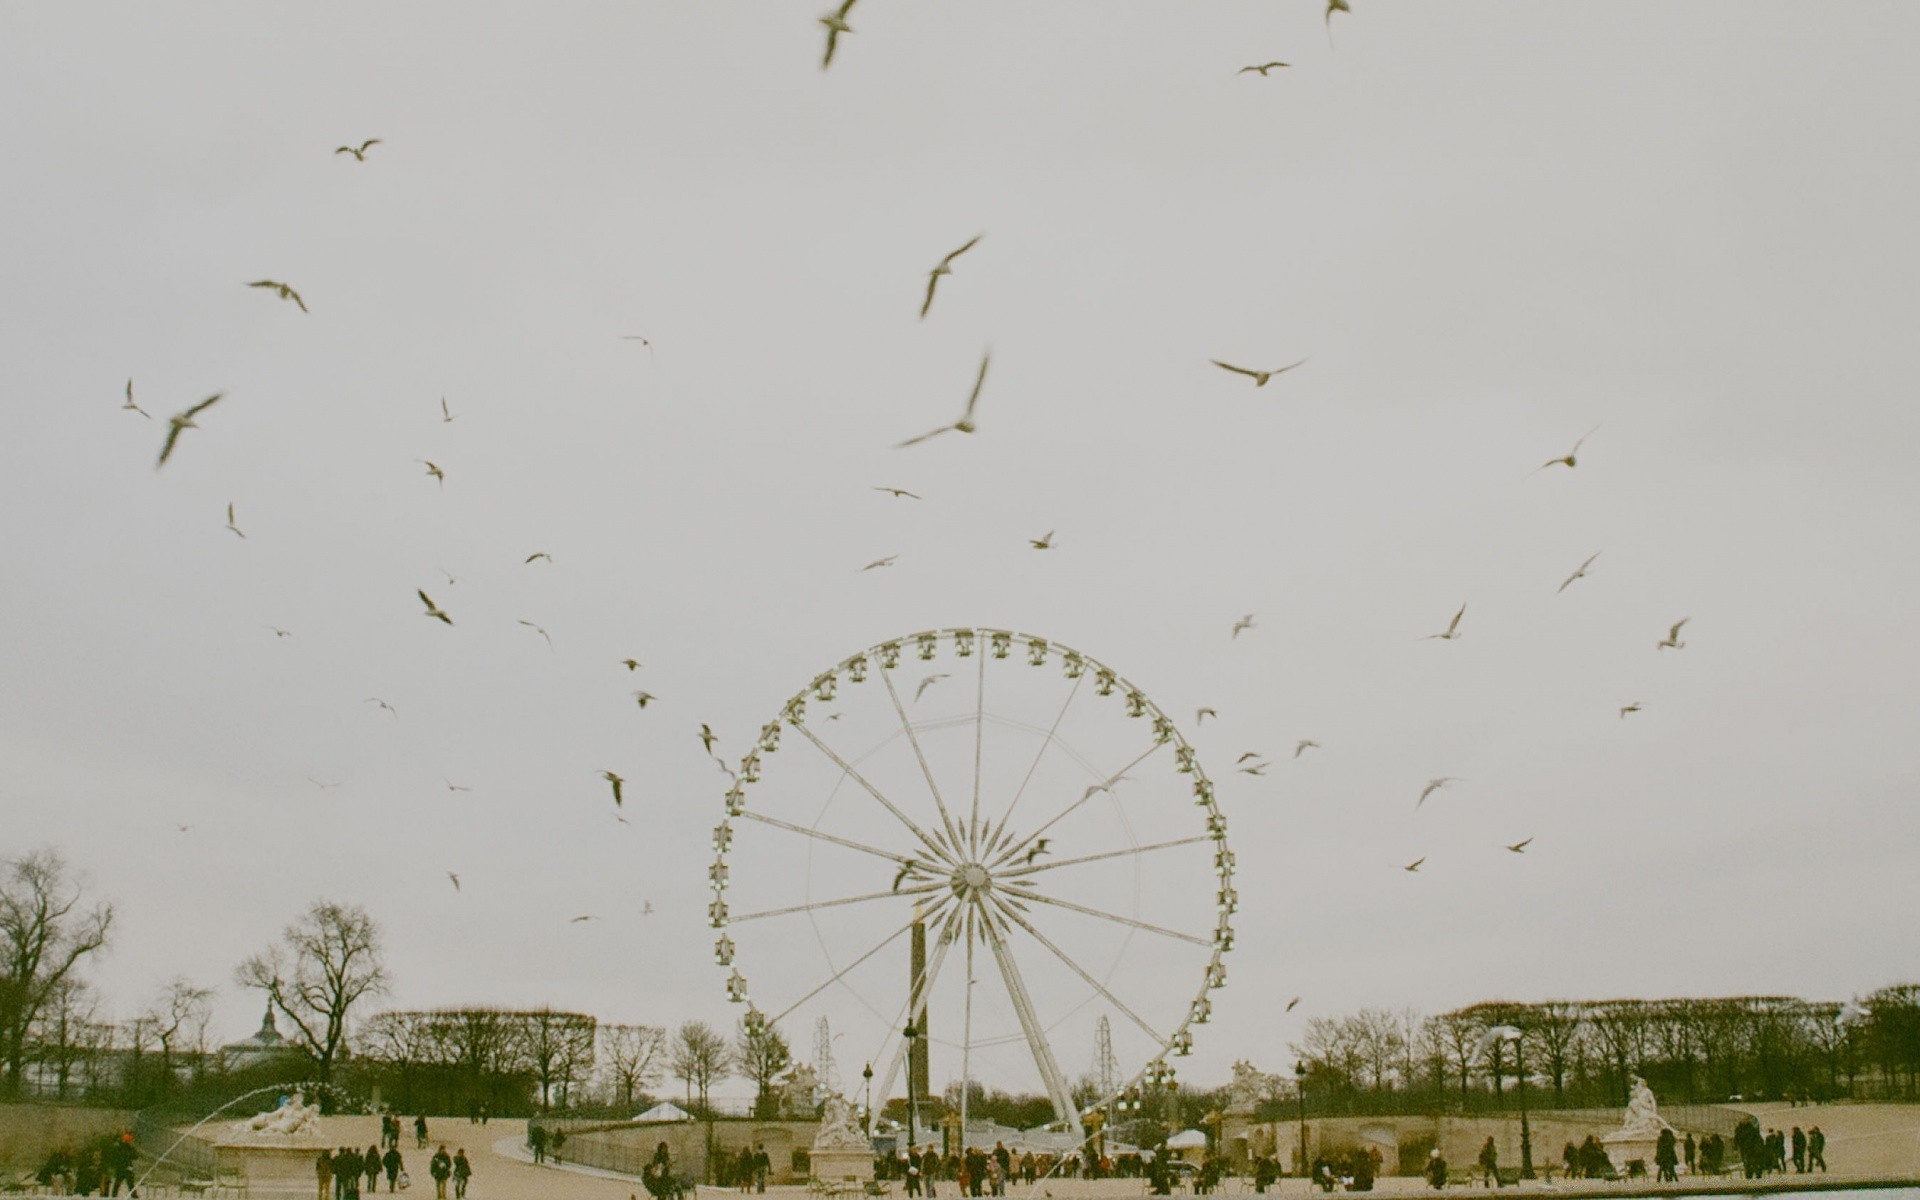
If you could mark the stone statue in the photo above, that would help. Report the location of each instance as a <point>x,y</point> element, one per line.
<point>294,1118</point>
<point>799,1092</point>
<point>1643,1113</point>
<point>1249,1087</point>
<point>838,1131</point>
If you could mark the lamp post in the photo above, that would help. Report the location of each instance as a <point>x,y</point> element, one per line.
<point>1510,1033</point>
<point>1300,1092</point>
<point>913,1100</point>
<point>866,1073</point>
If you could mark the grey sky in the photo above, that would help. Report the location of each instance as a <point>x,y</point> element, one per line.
<point>1492,227</point>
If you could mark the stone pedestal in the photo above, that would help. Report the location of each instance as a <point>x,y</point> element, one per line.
<point>835,1165</point>
<point>1623,1150</point>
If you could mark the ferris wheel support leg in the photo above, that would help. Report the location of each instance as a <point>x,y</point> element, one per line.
<point>1030,1024</point>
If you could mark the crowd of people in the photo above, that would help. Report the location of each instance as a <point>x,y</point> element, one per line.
<point>103,1164</point>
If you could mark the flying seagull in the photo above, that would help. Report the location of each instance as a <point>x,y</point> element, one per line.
<point>1245,622</point>
<point>1452,630</point>
<point>582,917</point>
<point>634,337</point>
<point>130,405</point>
<point>540,631</point>
<point>1520,847</point>
<point>283,290</point>
<point>1415,864</point>
<point>325,787</point>
<point>383,704</point>
<point>617,782</point>
<point>454,787</point>
<point>1039,848</point>
<point>1244,757</point>
<point>434,471</point>
<point>359,152</point>
<point>1305,744</point>
<point>880,562</point>
<point>1433,785</point>
<point>641,698</point>
<point>897,493</point>
<point>180,421</point>
<point>279,632</point>
<point>455,879</point>
<point>1579,573</point>
<point>1262,68</point>
<point>1334,6</point>
<point>706,737</point>
<point>1256,769</point>
<point>1673,641</point>
<point>1259,377</point>
<point>446,414</point>
<point>538,554</point>
<point>433,610</point>
<point>1201,714</point>
<point>646,908</point>
<point>1291,1004</point>
<point>230,525</point>
<point>1042,543</point>
<point>926,683</point>
<point>945,268</point>
<point>1629,708</point>
<point>1570,459</point>
<point>836,23</point>
<point>965,423</point>
<point>631,664</point>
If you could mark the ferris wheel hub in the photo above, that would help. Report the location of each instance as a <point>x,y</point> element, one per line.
<point>972,879</point>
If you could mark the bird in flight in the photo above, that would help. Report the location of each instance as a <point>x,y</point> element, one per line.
<point>641,698</point>
<point>1334,6</point>
<point>180,421</point>
<point>1042,543</point>
<point>618,783</point>
<point>945,268</point>
<point>646,908</point>
<point>359,152</point>
<point>538,554</point>
<point>1039,848</point>
<point>279,632</point>
<point>383,704</point>
<point>1244,757</point>
<point>582,917</point>
<point>1433,785</point>
<point>836,23</point>
<point>926,683</point>
<point>1520,847</point>
<point>1415,864</point>
<point>965,423</point>
<point>1259,377</point>
<point>454,787</point>
<point>1245,622</point>
<point>455,880</point>
<point>631,664</point>
<point>1673,641</point>
<point>446,414</point>
<point>897,493</point>
<point>1262,68</point>
<point>706,737</point>
<point>1258,768</point>
<point>1303,745</point>
<point>1291,1005</point>
<point>282,290</point>
<point>1579,573</point>
<point>434,470</point>
<point>1629,708</point>
<point>634,337</point>
<point>230,525</point>
<point>1452,630</point>
<point>540,631</point>
<point>183,828</point>
<point>433,610</point>
<point>131,406</point>
<point>880,562</point>
<point>906,869</point>
<point>1201,714</point>
<point>325,787</point>
<point>1570,459</point>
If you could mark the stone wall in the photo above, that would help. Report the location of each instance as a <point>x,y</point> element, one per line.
<point>29,1132</point>
<point>1404,1141</point>
<point>628,1147</point>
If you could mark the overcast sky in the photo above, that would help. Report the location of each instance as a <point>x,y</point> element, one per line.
<point>1490,227</point>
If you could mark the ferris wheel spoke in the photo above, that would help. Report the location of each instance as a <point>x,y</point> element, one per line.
<point>1046,744</point>
<point>1037,898</point>
<point>914,1008</point>
<point>946,818</point>
<point>842,973</point>
<point>1055,864</point>
<point>849,843</point>
<point>1085,796</point>
<point>1056,1084</point>
<point>917,890</point>
<point>1006,910</point>
<point>979,742</point>
<point>930,843</point>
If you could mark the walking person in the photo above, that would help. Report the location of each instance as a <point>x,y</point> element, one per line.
<point>323,1172</point>
<point>1799,1151</point>
<point>395,1165</point>
<point>440,1167</point>
<point>1666,1156</point>
<point>537,1140</point>
<point>420,1133</point>
<point>462,1171</point>
<point>1690,1149</point>
<point>1490,1164</point>
<point>1816,1149</point>
<point>370,1164</point>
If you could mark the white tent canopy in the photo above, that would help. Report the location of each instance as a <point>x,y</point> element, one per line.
<point>1187,1139</point>
<point>663,1113</point>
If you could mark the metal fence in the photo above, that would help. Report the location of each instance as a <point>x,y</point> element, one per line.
<point>156,1133</point>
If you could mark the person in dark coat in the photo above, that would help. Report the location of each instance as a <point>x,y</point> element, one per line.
<point>370,1165</point>
<point>1816,1149</point>
<point>1691,1149</point>
<point>1799,1151</point>
<point>441,1168</point>
<point>323,1172</point>
<point>1436,1170</point>
<point>1490,1164</point>
<point>420,1133</point>
<point>394,1163</point>
<point>1666,1156</point>
<point>462,1171</point>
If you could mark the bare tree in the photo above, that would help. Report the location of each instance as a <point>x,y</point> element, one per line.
<point>761,1053</point>
<point>1377,1045</point>
<point>559,1047</point>
<point>632,1055</point>
<point>43,937</point>
<point>1456,1036</point>
<point>66,1033</point>
<point>1555,1025</point>
<point>324,963</point>
<point>698,1056</point>
<point>177,1020</point>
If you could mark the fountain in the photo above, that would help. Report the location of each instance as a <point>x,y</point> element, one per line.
<point>1639,1133</point>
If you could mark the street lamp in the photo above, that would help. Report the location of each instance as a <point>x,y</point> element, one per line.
<point>867,1074</point>
<point>1300,1092</point>
<point>1510,1033</point>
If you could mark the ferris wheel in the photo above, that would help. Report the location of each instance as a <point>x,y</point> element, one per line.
<point>984,799</point>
